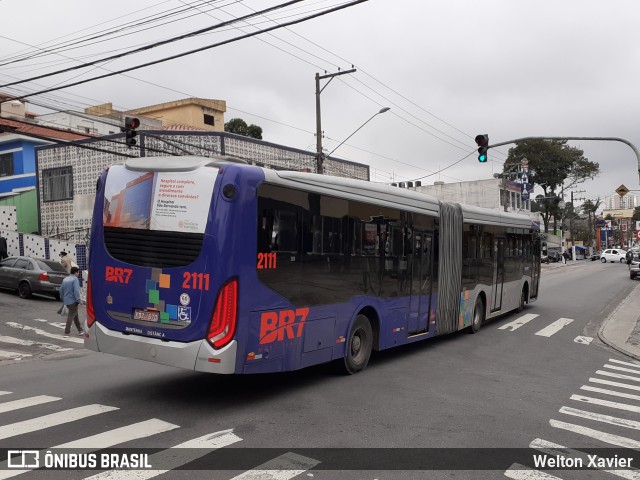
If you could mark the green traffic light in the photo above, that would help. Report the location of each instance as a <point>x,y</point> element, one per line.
<point>482,158</point>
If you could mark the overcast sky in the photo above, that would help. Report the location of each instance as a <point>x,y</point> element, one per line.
<point>448,70</point>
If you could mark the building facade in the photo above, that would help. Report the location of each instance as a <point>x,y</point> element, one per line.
<point>616,202</point>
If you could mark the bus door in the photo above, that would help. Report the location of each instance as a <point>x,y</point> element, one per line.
<point>421,279</point>
<point>498,273</point>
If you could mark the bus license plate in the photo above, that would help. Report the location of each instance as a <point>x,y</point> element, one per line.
<point>149,316</point>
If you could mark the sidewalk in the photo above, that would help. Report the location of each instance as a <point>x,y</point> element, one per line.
<point>621,330</point>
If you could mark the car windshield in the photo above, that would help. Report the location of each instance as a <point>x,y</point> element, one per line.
<point>50,266</point>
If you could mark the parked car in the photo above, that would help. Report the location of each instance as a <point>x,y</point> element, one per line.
<point>595,256</point>
<point>634,267</point>
<point>29,275</point>
<point>613,255</point>
<point>544,258</point>
<point>555,256</point>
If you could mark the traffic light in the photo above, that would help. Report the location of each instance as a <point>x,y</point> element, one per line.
<point>483,144</point>
<point>130,125</point>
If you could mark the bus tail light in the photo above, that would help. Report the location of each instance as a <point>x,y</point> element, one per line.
<point>91,314</point>
<point>223,322</point>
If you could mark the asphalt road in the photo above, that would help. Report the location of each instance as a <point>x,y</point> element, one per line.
<point>520,382</point>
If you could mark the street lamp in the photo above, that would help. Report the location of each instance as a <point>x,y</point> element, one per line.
<point>382,110</point>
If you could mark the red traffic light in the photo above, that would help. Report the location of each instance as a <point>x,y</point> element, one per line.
<point>131,122</point>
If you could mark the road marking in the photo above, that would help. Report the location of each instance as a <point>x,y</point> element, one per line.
<point>5,393</point>
<point>610,392</point>
<point>615,384</point>
<point>283,467</point>
<point>637,365</point>
<point>583,340</point>
<point>52,420</point>
<point>554,449</point>
<point>31,343</point>
<point>554,327</point>
<point>518,322</point>
<point>621,369</point>
<point>617,375</point>
<point>598,417</point>
<point>44,333</point>
<point>13,355</point>
<point>175,457</point>
<point>596,434</point>
<point>26,402</point>
<point>520,472</point>
<point>606,403</point>
<point>103,440</point>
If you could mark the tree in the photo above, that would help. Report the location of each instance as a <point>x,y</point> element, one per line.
<point>590,208</point>
<point>553,165</point>
<point>240,127</point>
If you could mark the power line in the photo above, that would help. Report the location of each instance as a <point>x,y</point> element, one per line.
<point>190,52</point>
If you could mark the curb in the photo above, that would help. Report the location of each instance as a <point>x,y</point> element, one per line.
<point>608,342</point>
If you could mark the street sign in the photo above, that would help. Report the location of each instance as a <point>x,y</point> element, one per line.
<point>637,225</point>
<point>622,190</point>
<point>638,235</point>
<point>623,227</point>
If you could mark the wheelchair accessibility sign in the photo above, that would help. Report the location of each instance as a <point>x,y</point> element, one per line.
<point>184,314</point>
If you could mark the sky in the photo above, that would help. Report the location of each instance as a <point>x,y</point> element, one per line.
<point>447,70</point>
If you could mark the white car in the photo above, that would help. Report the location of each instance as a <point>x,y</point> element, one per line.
<point>613,255</point>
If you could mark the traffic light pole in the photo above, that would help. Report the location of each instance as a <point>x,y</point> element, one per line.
<point>608,139</point>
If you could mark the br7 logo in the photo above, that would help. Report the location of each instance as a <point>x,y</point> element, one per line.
<point>118,275</point>
<point>275,326</point>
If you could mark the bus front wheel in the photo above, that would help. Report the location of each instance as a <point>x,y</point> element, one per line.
<point>359,345</point>
<point>478,316</point>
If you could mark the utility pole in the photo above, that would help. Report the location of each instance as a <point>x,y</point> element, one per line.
<point>319,153</point>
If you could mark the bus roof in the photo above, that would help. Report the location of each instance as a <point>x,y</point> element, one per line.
<point>381,194</point>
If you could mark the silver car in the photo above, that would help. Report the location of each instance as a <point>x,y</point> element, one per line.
<point>32,275</point>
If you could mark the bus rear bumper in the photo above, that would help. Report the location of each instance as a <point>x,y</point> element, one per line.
<point>199,355</point>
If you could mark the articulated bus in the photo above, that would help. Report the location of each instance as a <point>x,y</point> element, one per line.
<point>219,266</point>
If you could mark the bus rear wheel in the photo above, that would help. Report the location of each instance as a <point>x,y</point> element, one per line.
<point>523,299</point>
<point>359,345</point>
<point>478,316</point>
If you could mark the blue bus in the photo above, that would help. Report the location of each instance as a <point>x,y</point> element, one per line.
<point>219,266</point>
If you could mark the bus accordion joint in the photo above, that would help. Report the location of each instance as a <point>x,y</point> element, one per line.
<point>91,314</point>
<point>223,321</point>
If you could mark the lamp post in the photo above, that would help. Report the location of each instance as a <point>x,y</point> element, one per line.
<point>382,110</point>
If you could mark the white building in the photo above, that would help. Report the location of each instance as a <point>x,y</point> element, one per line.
<point>616,202</point>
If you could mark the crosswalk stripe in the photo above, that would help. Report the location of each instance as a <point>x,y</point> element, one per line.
<point>617,375</point>
<point>5,393</point>
<point>520,472</point>
<point>615,384</point>
<point>175,457</point>
<point>554,327</point>
<point>53,324</point>
<point>102,440</point>
<point>606,403</point>
<point>598,417</point>
<point>621,369</point>
<point>597,434</point>
<point>629,364</point>
<point>610,392</point>
<point>283,467</point>
<point>26,402</point>
<point>44,333</point>
<point>52,420</point>
<point>32,343</point>
<point>554,449</point>
<point>518,322</point>
<point>13,355</point>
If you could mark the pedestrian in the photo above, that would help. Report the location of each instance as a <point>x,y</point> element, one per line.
<point>67,261</point>
<point>565,256</point>
<point>70,294</point>
<point>3,248</point>
<point>629,258</point>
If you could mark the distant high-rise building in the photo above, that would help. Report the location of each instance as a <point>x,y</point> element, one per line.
<point>616,202</point>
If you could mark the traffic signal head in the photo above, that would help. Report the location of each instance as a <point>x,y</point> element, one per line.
<point>483,145</point>
<point>130,125</point>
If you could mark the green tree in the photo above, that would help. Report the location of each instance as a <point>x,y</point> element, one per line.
<point>553,165</point>
<point>240,127</point>
<point>590,208</point>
